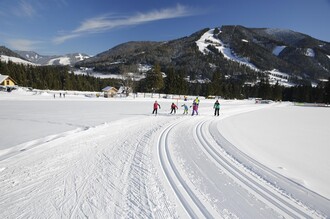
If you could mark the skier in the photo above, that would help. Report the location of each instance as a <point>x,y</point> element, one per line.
<point>173,108</point>
<point>185,109</point>
<point>156,105</point>
<point>195,108</point>
<point>216,108</point>
<point>197,101</point>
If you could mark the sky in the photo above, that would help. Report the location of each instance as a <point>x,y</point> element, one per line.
<point>58,27</point>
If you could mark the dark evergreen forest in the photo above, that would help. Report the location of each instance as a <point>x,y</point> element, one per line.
<point>61,78</point>
<point>53,78</point>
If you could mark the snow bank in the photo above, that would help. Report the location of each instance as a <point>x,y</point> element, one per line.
<point>291,140</point>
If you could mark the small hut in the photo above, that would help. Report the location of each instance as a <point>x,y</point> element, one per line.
<point>7,83</point>
<point>109,91</point>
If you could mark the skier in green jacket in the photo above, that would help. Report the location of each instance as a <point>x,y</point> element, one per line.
<point>216,107</point>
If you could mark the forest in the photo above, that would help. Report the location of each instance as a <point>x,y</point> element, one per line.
<point>62,78</point>
<point>53,78</point>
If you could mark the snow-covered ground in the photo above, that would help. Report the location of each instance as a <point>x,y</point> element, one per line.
<point>81,156</point>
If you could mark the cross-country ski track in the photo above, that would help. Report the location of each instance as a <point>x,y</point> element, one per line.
<point>144,167</point>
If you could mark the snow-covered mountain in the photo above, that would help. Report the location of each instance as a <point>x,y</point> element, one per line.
<point>6,58</point>
<point>236,51</point>
<point>68,59</point>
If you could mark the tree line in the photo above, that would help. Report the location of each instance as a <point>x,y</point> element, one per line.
<point>175,82</point>
<point>234,88</point>
<point>53,77</point>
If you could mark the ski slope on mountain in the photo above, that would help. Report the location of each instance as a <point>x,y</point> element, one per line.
<point>80,157</point>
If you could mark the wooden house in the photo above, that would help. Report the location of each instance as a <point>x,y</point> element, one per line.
<point>7,81</point>
<point>109,91</point>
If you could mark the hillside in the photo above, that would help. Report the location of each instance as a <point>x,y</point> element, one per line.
<point>235,51</point>
<point>68,59</point>
<point>7,52</point>
<point>7,55</point>
<point>181,54</point>
<point>33,58</point>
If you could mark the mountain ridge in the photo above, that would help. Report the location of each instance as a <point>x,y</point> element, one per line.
<point>235,51</point>
<point>301,56</point>
<point>67,59</point>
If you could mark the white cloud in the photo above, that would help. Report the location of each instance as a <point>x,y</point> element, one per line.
<point>25,9</point>
<point>63,38</point>
<point>23,44</point>
<point>106,23</point>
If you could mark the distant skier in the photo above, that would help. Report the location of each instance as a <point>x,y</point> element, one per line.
<point>185,109</point>
<point>156,106</point>
<point>216,107</point>
<point>197,101</point>
<point>195,108</point>
<point>173,108</point>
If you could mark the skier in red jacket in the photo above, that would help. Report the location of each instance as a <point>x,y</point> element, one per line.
<point>156,105</point>
<point>173,108</point>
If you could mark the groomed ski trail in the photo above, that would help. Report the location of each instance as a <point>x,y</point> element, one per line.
<point>192,206</point>
<point>246,178</point>
<point>143,167</point>
<point>103,172</point>
<point>268,189</point>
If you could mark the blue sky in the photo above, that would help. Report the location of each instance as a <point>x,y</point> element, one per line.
<point>54,27</point>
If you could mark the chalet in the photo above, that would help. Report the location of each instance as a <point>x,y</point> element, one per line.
<point>109,91</point>
<point>7,83</point>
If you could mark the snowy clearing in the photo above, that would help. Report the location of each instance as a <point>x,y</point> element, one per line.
<point>77,157</point>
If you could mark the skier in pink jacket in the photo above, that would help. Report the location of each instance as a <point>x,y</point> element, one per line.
<point>156,105</point>
<point>195,108</point>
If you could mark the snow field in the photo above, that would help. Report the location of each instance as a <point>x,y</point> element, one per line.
<point>93,173</point>
<point>111,158</point>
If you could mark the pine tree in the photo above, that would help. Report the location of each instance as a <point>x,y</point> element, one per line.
<point>215,85</point>
<point>277,92</point>
<point>154,79</point>
<point>169,87</point>
<point>327,92</point>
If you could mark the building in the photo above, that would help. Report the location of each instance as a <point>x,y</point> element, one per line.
<point>109,91</point>
<point>7,83</point>
<point>6,80</point>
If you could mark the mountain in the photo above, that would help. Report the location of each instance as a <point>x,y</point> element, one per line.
<point>68,59</point>
<point>291,52</point>
<point>129,56</point>
<point>7,52</point>
<point>9,55</point>
<point>235,51</point>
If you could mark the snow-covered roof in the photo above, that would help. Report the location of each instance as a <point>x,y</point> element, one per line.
<point>108,88</point>
<point>3,77</point>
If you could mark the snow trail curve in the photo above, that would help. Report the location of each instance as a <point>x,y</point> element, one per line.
<point>284,206</point>
<point>189,201</point>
